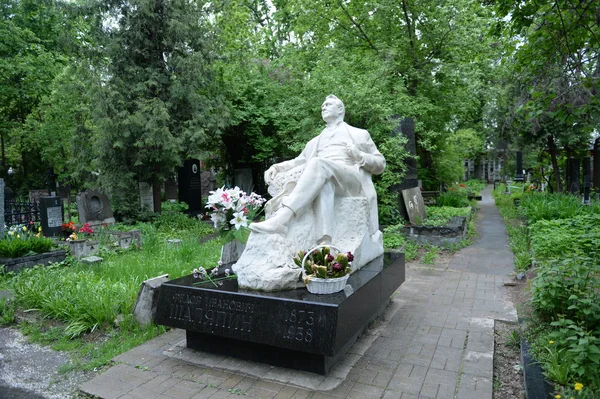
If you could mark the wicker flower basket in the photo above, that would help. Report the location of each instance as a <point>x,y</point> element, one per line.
<point>316,285</point>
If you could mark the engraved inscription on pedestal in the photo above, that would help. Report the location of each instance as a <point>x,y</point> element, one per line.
<point>213,315</point>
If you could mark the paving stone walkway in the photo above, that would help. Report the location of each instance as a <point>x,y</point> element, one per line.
<point>434,341</point>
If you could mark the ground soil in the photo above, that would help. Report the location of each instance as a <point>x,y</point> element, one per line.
<point>508,368</point>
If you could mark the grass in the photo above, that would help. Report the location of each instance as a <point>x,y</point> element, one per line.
<point>86,301</point>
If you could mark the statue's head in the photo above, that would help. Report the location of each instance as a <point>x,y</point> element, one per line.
<point>332,109</point>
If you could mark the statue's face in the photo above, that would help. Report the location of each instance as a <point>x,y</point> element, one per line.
<point>330,110</point>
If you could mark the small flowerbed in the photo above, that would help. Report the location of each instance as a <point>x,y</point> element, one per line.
<point>564,332</point>
<point>24,240</point>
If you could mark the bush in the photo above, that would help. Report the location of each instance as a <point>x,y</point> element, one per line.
<point>456,196</point>
<point>475,186</point>
<point>537,206</point>
<point>441,215</point>
<point>568,288</point>
<point>577,235</point>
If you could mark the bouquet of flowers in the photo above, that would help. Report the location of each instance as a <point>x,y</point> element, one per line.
<point>69,227</point>
<point>321,263</point>
<point>232,211</point>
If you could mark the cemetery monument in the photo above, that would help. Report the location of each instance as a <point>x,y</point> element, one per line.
<point>325,195</point>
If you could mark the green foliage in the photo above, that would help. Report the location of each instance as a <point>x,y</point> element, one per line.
<point>519,244</point>
<point>441,215</point>
<point>431,255</point>
<point>456,197</point>
<point>578,235</point>
<point>174,207</point>
<point>545,206</point>
<point>7,311</point>
<point>568,288</point>
<point>22,241</point>
<point>475,186</point>
<point>159,103</point>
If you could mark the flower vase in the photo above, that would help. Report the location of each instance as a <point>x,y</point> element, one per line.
<point>231,252</point>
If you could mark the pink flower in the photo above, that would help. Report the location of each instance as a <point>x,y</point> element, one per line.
<point>350,256</point>
<point>329,258</point>
<point>336,267</point>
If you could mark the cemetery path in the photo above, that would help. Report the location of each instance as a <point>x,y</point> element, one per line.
<point>435,340</point>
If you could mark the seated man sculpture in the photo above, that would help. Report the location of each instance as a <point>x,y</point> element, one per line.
<point>308,195</point>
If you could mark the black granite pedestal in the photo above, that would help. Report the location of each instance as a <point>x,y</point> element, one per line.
<point>293,329</point>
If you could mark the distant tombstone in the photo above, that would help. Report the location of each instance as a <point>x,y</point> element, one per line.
<point>586,180</point>
<point>35,195</point>
<point>146,196</point>
<point>519,176</point>
<point>573,175</point>
<point>171,189</point>
<point>1,207</point>
<point>93,207</point>
<point>406,127</point>
<point>413,200</point>
<point>209,181</point>
<point>51,211</point>
<point>596,178</point>
<point>243,179</point>
<point>190,185</point>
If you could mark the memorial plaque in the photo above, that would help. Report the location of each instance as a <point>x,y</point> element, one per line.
<point>190,186</point>
<point>415,207</point>
<point>51,209</point>
<point>294,329</point>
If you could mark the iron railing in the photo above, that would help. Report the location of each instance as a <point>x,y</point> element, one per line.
<point>18,212</point>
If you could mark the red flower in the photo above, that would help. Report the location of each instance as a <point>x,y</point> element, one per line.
<point>336,267</point>
<point>350,256</point>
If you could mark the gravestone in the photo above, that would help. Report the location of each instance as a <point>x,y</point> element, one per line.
<point>596,178</point>
<point>51,211</point>
<point>146,196</point>
<point>171,189</point>
<point>406,127</point>
<point>190,185</point>
<point>415,207</point>
<point>243,179</point>
<point>35,195</point>
<point>292,328</point>
<point>573,184</point>
<point>586,180</point>
<point>209,181</point>
<point>93,207</point>
<point>1,207</point>
<point>519,176</point>
<point>147,300</point>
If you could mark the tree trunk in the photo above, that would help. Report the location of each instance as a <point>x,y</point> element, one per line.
<point>552,149</point>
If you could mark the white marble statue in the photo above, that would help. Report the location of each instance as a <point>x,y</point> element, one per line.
<point>323,195</point>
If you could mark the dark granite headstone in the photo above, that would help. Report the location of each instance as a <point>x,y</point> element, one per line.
<point>586,179</point>
<point>519,169</point>
<point>415,207</point>
<point>294,329</point>
<point>406,127</point>
<point>596,178</point>
<point>93,207</point>
<point>190,185</point>
<point>243,179</point>
<point>51,210</point>
<point>171,189</point>
<point>573,175</point>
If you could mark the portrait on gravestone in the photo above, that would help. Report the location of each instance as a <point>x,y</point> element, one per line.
<point>325,195</point>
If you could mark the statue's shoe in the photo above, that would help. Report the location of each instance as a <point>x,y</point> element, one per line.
<point>268,227</point>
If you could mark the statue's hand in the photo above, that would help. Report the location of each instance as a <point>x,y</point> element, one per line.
<point>354,152</point>
<point>270,174</point>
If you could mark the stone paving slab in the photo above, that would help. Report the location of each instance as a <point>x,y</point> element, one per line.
<point>435,340</point>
